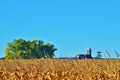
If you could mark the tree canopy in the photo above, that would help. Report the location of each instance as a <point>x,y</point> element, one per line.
<point>26,49</point>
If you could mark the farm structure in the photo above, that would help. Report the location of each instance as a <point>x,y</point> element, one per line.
<point>85,56</point>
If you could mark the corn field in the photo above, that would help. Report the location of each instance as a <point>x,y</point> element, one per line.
<point>57,69</point>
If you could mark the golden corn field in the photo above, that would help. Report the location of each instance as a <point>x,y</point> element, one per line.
<point>56,69</point>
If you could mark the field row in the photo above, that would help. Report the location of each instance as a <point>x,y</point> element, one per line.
<point>49,69</point>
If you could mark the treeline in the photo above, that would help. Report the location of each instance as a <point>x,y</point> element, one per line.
<point>26,49</point>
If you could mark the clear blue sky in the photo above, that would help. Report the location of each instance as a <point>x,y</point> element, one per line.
<point>71,25</point>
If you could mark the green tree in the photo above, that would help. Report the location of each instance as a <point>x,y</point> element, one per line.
<point>29,49</point>
<point>49,50</point>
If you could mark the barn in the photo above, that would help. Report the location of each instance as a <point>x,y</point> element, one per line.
<point>85,56</point>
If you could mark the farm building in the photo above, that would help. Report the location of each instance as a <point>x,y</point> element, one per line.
<point>85,56</point>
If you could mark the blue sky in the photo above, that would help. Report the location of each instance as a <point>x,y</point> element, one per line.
<point>71,25</point>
